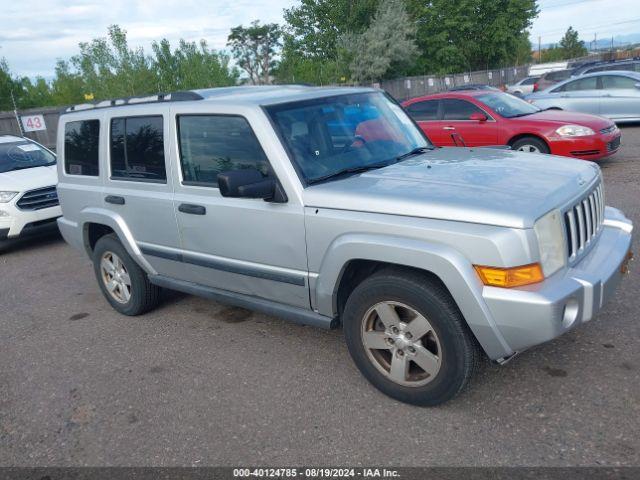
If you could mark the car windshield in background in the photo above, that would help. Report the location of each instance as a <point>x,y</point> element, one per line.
<point>345,134</point>
<point>21,155</point>
<point>507,105</point>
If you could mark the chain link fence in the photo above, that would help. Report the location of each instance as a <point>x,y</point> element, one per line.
<point>409,87</point>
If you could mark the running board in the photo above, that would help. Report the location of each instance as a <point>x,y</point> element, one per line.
<point>287,312</point>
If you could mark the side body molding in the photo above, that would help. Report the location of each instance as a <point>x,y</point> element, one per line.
<point>117,223</point>
<point>449,265</point>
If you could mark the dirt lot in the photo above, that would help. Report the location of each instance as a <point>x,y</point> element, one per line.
<point>198,383</point>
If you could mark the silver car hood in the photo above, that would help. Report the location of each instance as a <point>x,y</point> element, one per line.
<point>477,185</point>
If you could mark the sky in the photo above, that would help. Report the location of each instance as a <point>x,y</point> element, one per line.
<point>34,34</point>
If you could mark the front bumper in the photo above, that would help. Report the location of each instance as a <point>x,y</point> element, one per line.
<point>594,147</point>
<point>538,313</point>
<point>20,223</point>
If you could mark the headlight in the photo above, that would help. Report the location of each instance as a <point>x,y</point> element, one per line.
<point>551,242</point>
<point>574,131</point>
<point>7,196</point>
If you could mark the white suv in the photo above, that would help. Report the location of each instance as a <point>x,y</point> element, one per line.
<point>28,197</point>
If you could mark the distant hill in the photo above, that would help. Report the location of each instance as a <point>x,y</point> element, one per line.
<point>602,43</point>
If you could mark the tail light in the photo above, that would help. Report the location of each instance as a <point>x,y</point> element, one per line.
<point>535,87</point>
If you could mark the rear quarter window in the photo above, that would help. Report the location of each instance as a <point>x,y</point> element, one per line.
<point>81,148</point>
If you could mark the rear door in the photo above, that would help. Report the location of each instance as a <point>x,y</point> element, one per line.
<point>137,186</point>
<point>425,114</point>
<point>456,123</point>
<point>620,98</point>
<point>581,95</point>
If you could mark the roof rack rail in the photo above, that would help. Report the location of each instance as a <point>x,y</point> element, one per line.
<point>118,102</point>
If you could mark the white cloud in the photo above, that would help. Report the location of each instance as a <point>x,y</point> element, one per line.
<point>35,33</point>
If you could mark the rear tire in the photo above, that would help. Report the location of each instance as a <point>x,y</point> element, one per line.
<point>123,283</point>
<point>530,145</point>
<point>407,336</point>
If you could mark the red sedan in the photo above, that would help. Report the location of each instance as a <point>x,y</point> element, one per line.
<point>483,117</point>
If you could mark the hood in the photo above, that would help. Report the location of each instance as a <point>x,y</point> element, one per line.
<point>477,185</point>
<point>561,117</point>
<point>28,179</point>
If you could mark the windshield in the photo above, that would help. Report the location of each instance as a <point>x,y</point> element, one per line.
<point>328,136</point>
<point>507,105</point>
<point>23,154</point>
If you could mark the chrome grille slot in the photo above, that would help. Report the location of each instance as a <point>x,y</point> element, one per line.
<point>583,221</point>
<point>38,199</point>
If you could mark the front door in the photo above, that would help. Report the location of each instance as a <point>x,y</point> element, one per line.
<point>241,245</point>
<point>456,124</point>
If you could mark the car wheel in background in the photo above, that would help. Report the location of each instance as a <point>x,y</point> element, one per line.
<point>530,145</point>
<point>124,284</point>
<point>408,338</point>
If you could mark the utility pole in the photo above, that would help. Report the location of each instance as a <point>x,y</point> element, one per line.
<point>539,49</point>
<point>15,112</point>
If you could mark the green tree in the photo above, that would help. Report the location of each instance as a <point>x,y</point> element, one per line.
<point>387,43</point>
<point>571,45</point>
<point>191,66</point>
<point>254,48</point>
<point>470,34</point>
<point>35,94</point>
<point>8,84</point>
<point>311,50</point>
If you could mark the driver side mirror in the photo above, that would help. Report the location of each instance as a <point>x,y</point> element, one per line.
<point>478,117</point>
<point>250,183</point>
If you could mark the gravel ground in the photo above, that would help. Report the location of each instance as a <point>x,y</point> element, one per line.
<point>199,383</point>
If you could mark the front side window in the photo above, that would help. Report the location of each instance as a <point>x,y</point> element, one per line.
<point>423,111</point>
<point>614,82</point>
<point>333,135</point>
<point>507,105</point>
<point>23,154</point>
<point>81,147</point>
<point>211,144</point>
<point>137,149</point>
<point>590,83</point>
<point>455,109</point>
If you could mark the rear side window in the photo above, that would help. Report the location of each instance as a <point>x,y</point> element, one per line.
<point>529,81</point>
<point>617,82</point>
<point>137,149</point>
<point>423,111</point>
<point>81,147</point>
<point>558,75</point>
<point>455,109</point>
<point>210,144</point>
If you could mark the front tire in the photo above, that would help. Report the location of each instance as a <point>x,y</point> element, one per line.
<point>123,283</point>
<point>530,145</point>
<point>407,336</point>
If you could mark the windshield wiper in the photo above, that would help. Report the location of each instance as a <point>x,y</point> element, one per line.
<point>344,171</point>
<point>413,152</point>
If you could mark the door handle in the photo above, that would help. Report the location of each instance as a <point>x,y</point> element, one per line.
<point>448,128</point>
<point>115,199</point>
<point>192,209</point>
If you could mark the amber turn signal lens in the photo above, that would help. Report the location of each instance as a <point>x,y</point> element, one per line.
<point>510,277</point>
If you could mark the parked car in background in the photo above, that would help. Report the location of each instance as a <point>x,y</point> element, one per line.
<point>551,78</point>
<point>430,258</point>
<point>473,86</point>
<point>484,118</point>
<point>615,95</point>
<point>523,87</point>
<point>631,65</point>
<point>28,198</point>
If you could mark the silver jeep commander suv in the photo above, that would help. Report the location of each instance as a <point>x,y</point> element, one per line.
<point>328,206</point>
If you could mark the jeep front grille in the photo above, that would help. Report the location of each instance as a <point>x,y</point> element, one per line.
<point>583,221</point>
<point>38,199</point>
